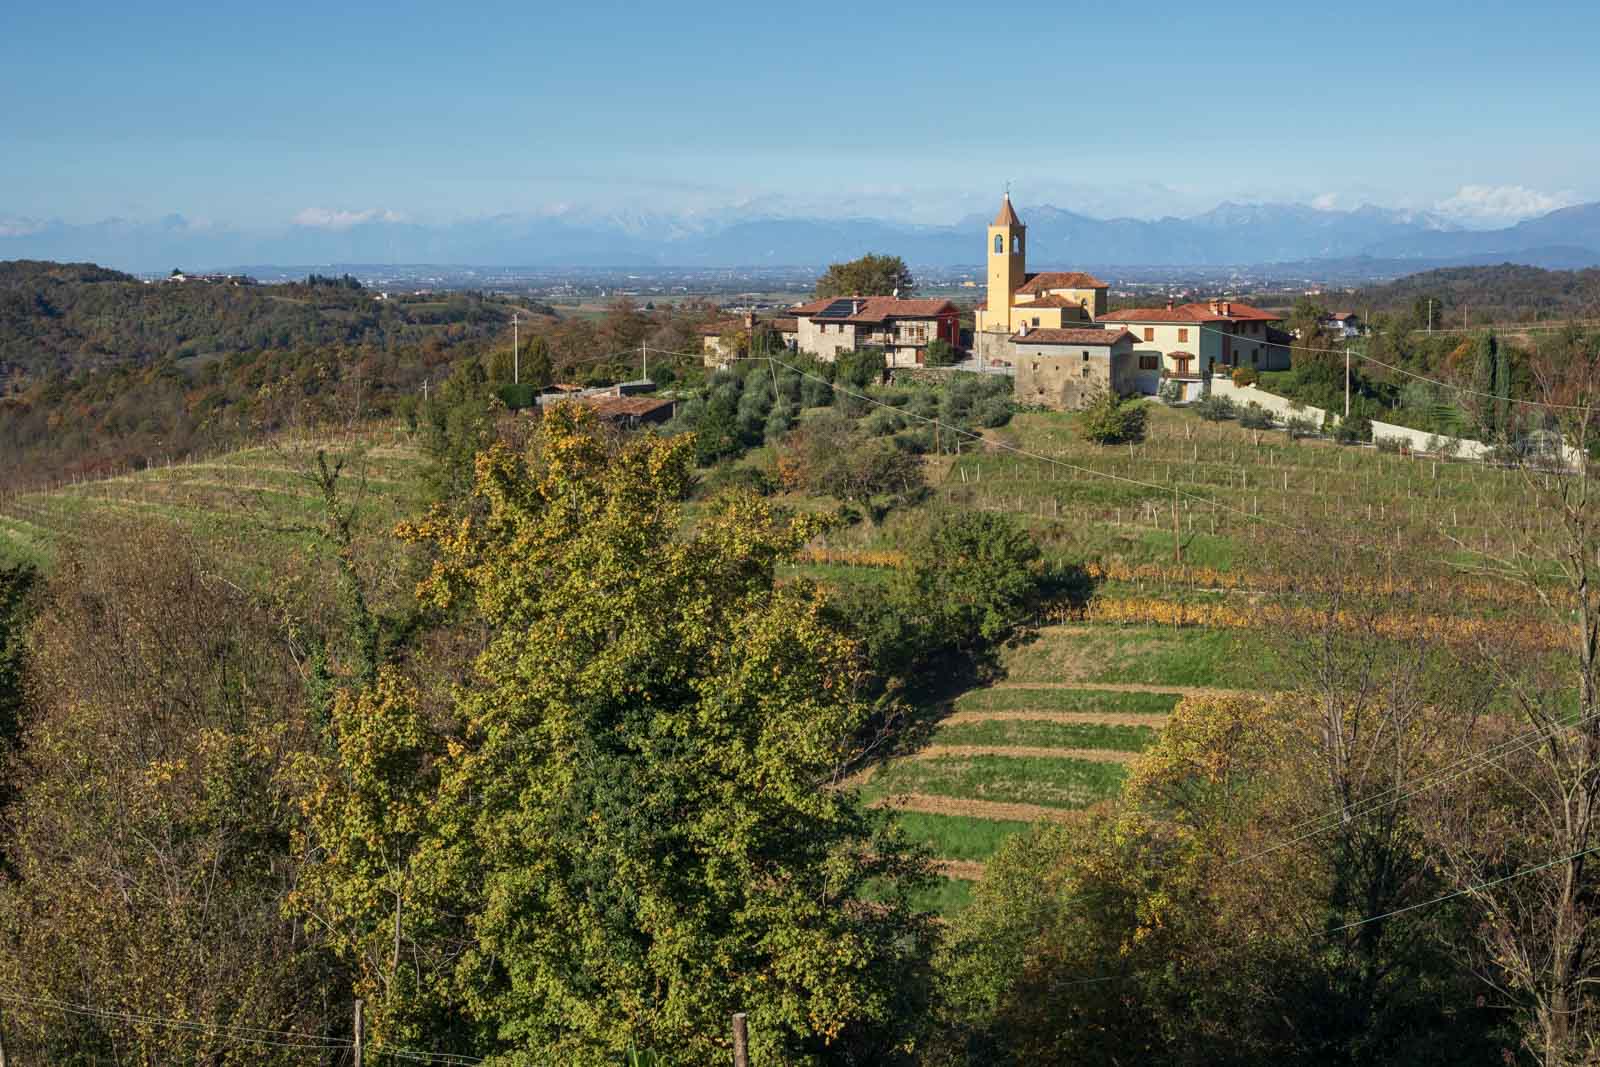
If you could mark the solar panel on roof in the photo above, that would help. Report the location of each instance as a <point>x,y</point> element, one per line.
<point>839,309</point>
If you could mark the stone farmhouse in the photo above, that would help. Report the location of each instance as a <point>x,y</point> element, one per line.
<point>901,328</point>
<point>720,339</point>
<point>1065,368</point>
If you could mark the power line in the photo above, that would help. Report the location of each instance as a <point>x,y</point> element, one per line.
<point>1366,806</point>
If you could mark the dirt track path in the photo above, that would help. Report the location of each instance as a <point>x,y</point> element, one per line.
<point>1093,718</point>
<point>1089,755</point>
<point>978,809</point>
<point>1130,687</point>
<point>971,870</point>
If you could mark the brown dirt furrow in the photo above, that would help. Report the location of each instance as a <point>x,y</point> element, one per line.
<point>1101,718</point>
<point>1092,755</point>
<point>970,870</point>
<point>978,809</point>
<point>1130,687</point>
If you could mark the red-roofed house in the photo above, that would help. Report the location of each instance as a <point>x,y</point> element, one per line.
<point>902,328</point>
<point>1194,340</point>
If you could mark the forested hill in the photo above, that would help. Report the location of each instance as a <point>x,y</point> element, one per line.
<point>1480,295</point>
<point>71,316</point>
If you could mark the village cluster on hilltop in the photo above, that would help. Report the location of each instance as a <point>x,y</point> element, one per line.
<point>1053,330</point>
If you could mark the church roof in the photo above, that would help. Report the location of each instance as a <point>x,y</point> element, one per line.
<point>1060,279</point>
<point>1052,301</point>
<point>1007,215</point>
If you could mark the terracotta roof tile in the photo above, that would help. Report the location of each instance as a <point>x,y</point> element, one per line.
<point>1060,279</point>
<point>784,325</point>
<point>1197,312</point>
<point>1051,301</point>
<point>1064,336</point>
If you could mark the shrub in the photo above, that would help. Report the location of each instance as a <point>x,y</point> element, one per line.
<point>1243,376</point>
<point>1109,420</point>
<point>1170,392</point>
<point>940,353</point>
<point>1255,417</point>
<point>1214,408</point>
<point>1352,430</point>
<point>1390,444</point>
<point>756,480</point>
<point>1303,426</point>
<point>1448,447</point>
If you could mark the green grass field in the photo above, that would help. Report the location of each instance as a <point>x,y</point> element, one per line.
<point>1045,781</point>
<point>1033,733</point>
<point>958,837</point>
<point>1100,700</point>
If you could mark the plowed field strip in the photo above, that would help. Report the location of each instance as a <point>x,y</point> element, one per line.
<point>1092,718</point>
<point>1089,755</point>
<point>978,809</point>
<point>968,870</point>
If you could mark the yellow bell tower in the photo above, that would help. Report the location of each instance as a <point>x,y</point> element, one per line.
<point>1008,248</point>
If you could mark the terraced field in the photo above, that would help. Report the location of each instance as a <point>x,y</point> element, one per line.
<point>260,495</point>
<point>1003,757</point>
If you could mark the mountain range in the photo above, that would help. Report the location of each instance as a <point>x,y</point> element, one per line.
<point>1228,235</point>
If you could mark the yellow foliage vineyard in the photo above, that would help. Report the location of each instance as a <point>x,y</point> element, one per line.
<point>1210,578</point>
<point>1144,611</point>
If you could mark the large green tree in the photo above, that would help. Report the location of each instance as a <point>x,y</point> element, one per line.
<point>871,275</point>
<point>634,827</point>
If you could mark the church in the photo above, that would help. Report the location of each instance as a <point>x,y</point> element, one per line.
<point>1019,301</point>
<point>1057,330</point>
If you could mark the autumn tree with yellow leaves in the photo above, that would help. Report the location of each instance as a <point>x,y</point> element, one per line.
<point>628,838</point>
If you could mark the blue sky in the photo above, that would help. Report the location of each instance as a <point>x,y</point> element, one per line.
<point>317,115</point>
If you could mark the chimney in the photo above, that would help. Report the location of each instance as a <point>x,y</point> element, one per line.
<point>750,320</point>
<point>896,293</point>
<point>1227,308</point>
<point>1216,307</point>
<point>1169,303</point>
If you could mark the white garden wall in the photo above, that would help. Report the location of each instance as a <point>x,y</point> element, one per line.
<point>1280,406</point>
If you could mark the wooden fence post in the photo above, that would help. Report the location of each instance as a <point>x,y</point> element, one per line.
<point>359,1035</point>
<point>741,1041</point>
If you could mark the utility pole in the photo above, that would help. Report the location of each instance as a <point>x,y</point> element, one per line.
<point>1430,314</point>
<point>360,1033</point>
<point>1347,381</point>
<point>644,362</point>
<point>516,350</point>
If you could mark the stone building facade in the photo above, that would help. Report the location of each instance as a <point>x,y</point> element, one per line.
<point>1066,368</point>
